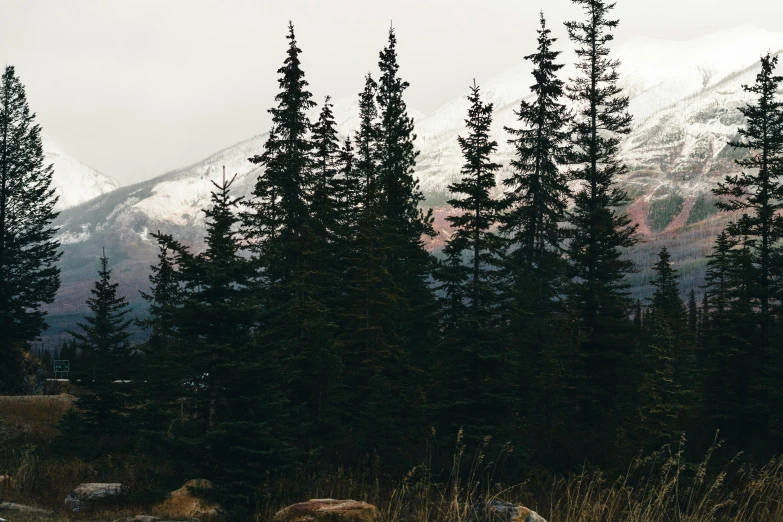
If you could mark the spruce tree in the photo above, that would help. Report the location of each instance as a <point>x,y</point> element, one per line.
<point>726,402</point>
<point>290,224</point>
<point>536,199</point>
<point>165,294</point>
<point>279,210</point>
<point>538,188</point>
<point>99,420</point>
<point>408,264</point>
<point>104,336</point>
<point>758,192</point>
<point>162,373</point>
<point>232,391</point>
<point>667,387</point>
<point>321,285</point>
<point>29,277</point>
<point>326,186</point>
<point>374,352</point>
<point>471,394</point>
<point>599,231</point>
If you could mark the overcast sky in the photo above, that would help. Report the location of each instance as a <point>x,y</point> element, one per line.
<point>134,88</point>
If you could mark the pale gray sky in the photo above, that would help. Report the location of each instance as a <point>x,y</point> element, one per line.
<point>138,87</point>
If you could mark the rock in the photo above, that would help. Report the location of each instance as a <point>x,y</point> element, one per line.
<point>184,504</point>
<point>145,518</point>
<point>499,511</point>
<point>21,507</point>
<point>86,496</point>
<point>328,509</point>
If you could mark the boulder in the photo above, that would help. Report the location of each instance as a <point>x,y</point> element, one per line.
<point>23,508</point>
<point>328,509</point>
<point>182,503</point>
<point>86,496</point>
<point>499,511</point>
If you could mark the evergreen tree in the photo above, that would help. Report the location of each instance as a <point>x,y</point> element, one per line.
<point>99,419</point>
<point>29,277</point>
<point>349,196</point>
<point>290,224</point>
<point>667,386</point>
<point>539,192</point>
<point>326,186</point>
<point>279,210</point>
<point>162,371</point>
<point>725,396</point>
<point>758,192</point>
<point>232,389</point>
<point>473,397</point>
<point>374,350</point>
<point>413,313</point>
<point>165,294</point>
<point>599,231</point>
<point>536,200</point>
<point>321,284</point>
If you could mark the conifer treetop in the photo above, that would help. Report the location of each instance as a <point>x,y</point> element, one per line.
<point>106,328</point>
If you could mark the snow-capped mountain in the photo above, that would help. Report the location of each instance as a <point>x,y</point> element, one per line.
<point>684,99</point>
<point>74,181</point>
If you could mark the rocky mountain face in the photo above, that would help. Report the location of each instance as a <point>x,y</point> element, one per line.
<point>684,99</point>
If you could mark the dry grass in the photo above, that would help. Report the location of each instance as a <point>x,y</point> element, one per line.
<point>34,415</point>
<point>658,488</point>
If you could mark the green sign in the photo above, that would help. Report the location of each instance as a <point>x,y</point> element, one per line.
<point>61,366</point>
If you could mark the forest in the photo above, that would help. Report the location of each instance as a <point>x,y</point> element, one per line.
<point>314,334</point>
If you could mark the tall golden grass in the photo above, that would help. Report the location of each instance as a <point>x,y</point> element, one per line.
<point>661,487</point>
<point>34,415</point>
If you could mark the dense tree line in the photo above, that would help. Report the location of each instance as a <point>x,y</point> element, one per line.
<point>315,326</point>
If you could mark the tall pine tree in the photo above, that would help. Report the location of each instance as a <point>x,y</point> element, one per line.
<point>667,387</point>
<point>289,225</point>
<point>725,399</point>
<point>758,192</point>
<point>375,351</point>
<point>29,277</point>
<point>99,420</point>
<point>404,225</point>
<point>471,394</point>
<point>599,231</point>
<point>232,393</point>
<point>536,200</point>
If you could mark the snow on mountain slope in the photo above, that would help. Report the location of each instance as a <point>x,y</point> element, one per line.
<point>177,198</point>
<point>658,72</point>
<point>661,78</point>
<point>74,181</point>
